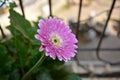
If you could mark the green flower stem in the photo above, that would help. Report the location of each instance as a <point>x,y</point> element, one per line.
<point>34,67</point>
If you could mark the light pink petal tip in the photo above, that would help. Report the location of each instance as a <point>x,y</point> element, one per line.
<point>42,48</point>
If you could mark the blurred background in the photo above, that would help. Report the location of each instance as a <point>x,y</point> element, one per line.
<point>96,24</point>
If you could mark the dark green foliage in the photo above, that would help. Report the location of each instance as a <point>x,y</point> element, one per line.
<point>21,52</point>
<point>5,63</point>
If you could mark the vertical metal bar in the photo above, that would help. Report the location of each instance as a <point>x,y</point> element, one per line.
<point>99,44</point>
<point>118,34</point>
<point>50,8</point>
<point>2,32</point>
<point>78,21</point>
<point>22,8</point>
<point>3,3</point>
<point>77,32</point>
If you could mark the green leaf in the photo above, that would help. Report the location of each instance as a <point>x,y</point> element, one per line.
<point>15,75</point>
<point>72,77</point>
<point>20,24</point>
<point>3,49</point>
<point>12,5</point>
<point>22,50</point>
<point>45,75</point>
<point>52,64</point>
<point>33,57</point>
<point>63,73</point>
<point>6,62</point>
<point>4,77</point>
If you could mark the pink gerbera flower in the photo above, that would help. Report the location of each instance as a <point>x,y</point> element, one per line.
<point>56,38</point>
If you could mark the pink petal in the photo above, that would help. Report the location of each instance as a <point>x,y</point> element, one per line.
<point>42,48</point>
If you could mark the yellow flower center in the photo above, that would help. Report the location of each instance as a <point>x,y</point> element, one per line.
<point>56,40</point>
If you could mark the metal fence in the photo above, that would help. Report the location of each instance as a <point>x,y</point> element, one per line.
<point>98,49</point>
